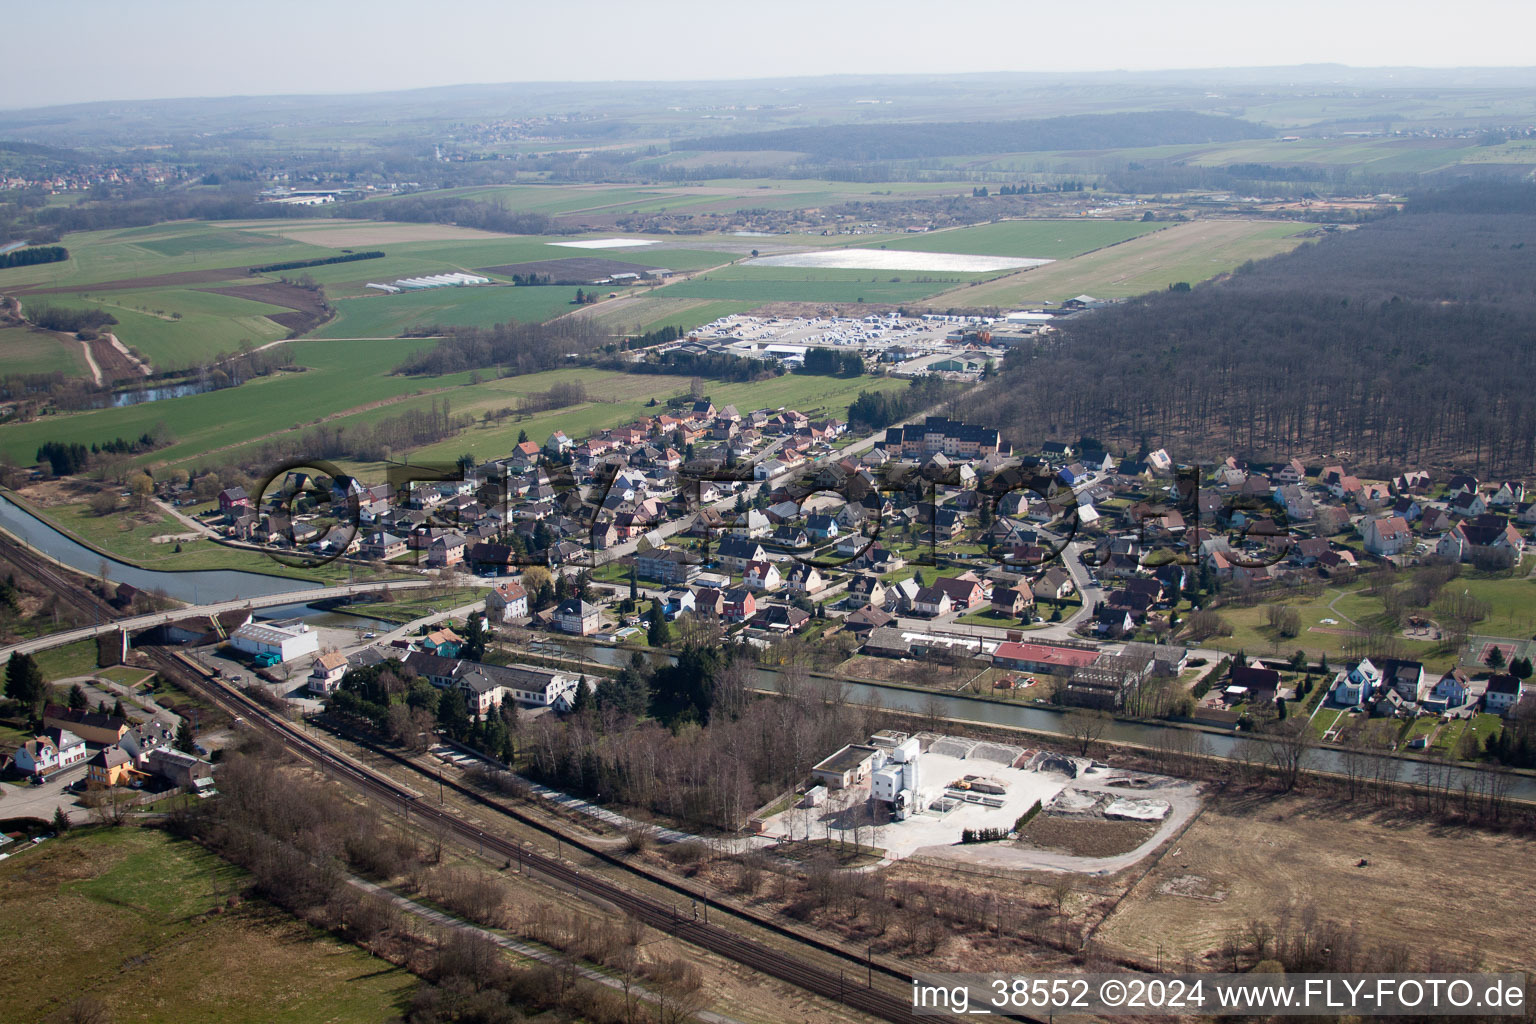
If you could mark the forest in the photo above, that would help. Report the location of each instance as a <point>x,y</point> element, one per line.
<point>512,347</point>
<point>1402,341</point>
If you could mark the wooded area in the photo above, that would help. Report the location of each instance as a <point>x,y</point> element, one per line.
<point>1402,341</point>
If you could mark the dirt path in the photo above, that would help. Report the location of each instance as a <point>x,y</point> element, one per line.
<point>142,366</point>
<point>90,361</point>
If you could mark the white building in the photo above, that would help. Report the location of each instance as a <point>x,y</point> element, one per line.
<point>286,642</point>
<point>49,752</point>
<point>898,782</point>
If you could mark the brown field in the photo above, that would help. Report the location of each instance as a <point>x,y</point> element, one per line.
<point>308,306</point>
<point>334,235</point>
<point>574,268</point>
<point>183,277</point>
<point>1464,894</point>
<point>1086,837</point>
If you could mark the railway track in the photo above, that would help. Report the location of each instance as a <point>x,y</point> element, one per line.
<point>663,916</point>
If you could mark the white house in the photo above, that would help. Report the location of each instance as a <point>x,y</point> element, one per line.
<point>286,642</point>
<point>507,601</point>
<point>326,673</point>
<point>763,576</point>
<point>48,752</point>
<point>1503,693</point>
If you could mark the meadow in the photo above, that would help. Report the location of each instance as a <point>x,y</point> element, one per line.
<point>127,917</point>
<point>1192,252</point>
<point>636,314</point>
<point>208,324</point>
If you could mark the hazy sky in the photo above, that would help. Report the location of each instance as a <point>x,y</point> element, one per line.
<point>64,51</point>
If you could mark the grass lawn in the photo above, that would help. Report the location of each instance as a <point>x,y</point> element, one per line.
<point>76,659</point>
<point>123,915</point>
<point>987,617</point>
<point>405,609</point>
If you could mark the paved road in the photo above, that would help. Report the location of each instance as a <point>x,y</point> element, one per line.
<point>157,618</point>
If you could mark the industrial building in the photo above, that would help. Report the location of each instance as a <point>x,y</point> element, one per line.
<point>275,643</point>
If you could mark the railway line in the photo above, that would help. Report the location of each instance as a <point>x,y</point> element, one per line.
<point>834,985</point>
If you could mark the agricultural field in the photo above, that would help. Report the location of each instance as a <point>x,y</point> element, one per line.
<point>1031,239</point>
<point>136,920</point>
<point>340,375</point>
<point>28,350</point>
<point>182,294</point>
<point>637,314</point>
<point>1192,252</point>
<point>388,316</point>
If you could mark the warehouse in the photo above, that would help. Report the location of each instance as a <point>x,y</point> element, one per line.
<point>284,643</point>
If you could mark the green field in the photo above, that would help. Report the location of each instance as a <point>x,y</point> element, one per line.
<point>342,375</point>
<point>27,350</point>
<point>388,316</point>
<point>1033,239</point>
<point>209,323</point>
<point>126,916</point>
<point>632,315</point>
<point>1192,252</point>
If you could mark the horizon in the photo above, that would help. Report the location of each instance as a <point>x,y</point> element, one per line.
<point>333,53</point>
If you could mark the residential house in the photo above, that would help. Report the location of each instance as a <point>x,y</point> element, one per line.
<point>51,751</point>
<point>577,617</point>
<point>763,576</point>
<point>779,618</point>
<point>670,566</point>
<point>1054,585</point>
<point>1356,685</point>
<point>1484,538</point>
<point>507,602</point>
<point>867,618</point>
<point>869,587</point>
<point>738,604</point>
<point>231,499</point>
<point>1387,535</point>
<point>965,591</point>
<point>1503,694</point>
<point>112,766</point>
<point>805,579</point>
<point>821,527</point>
<point>932,602</point>
<point>1467,503</point>
<point>446,550</point>
<point>735,553</point>
<point>326,672</point>
<point>1404,677</point>
<point>382,546</point>
<point>91,726</point>
<point>677,602</point>
<point>1012,601</point>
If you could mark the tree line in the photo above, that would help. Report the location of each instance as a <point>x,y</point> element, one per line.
<point>32,257</point>
<point>513,348</point>
<point>874,410</point>
<point>351,257</point>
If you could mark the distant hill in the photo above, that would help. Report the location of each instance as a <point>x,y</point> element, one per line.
<point>860,142</point>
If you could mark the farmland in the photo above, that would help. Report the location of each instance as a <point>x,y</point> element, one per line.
<point>789,284</point>
<point>650,311</point>
<point>135,920</point>
<point>1191,252</point>
<point>26,350</point>
<point>1034,239</point>
<point>387,316</point>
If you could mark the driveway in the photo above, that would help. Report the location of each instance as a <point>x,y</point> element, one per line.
<point>29,801</point>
